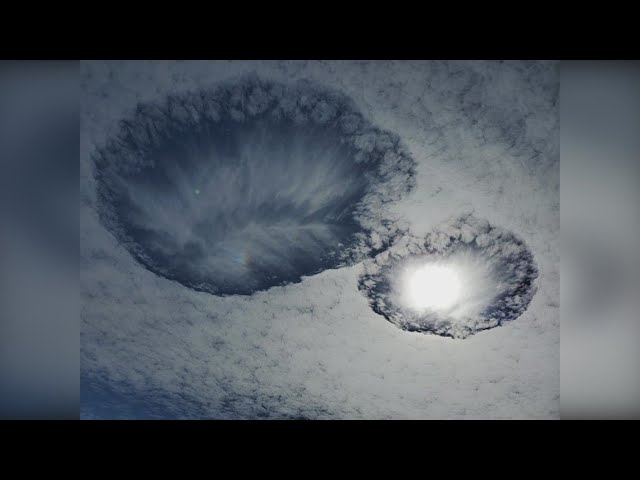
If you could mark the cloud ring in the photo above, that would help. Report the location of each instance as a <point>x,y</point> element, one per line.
<point>497,275</point>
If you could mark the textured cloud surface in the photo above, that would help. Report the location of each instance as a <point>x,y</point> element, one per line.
<point>483,136</point>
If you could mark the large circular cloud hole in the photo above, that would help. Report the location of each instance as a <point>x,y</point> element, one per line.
<point>464,277</point>
<point>249,185</point>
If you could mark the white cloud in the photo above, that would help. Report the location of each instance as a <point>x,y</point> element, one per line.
<point>484,135</point>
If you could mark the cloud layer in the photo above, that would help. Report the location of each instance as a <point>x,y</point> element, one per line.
<point>484,138</point>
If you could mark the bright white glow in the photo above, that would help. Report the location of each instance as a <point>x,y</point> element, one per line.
<point>455,289</point>
<point>433,287</point>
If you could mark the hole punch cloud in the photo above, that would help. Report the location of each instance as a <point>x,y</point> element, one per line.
<point>250,185</point>
<point>494,274</point>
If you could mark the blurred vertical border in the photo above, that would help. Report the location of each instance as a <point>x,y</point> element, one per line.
<point>600,236</point>
<point>39,307</point>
